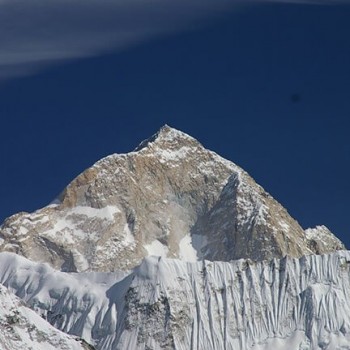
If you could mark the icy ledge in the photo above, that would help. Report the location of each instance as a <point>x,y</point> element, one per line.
<point>168,304</point>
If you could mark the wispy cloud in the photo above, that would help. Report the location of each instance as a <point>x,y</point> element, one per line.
<point>36,33</point>
<point>40,32</point>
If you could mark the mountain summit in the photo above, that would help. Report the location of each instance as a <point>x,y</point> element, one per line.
<point>170,197</point>
<point>170,247</point>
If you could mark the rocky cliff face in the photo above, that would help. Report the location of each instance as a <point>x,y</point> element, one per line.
<point>170,197</point>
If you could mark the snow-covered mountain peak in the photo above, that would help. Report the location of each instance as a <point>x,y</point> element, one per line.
<point>168,137</point>
<point>171,197</point>
<point>320,237</point>
<point>170,247</point>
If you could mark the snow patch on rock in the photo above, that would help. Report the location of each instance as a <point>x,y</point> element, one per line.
<point>156,248</point>
<point>186,250</point>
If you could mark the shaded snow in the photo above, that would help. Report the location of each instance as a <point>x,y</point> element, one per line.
<point>23,329</point>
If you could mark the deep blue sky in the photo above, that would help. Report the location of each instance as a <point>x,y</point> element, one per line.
<point>267,87</point>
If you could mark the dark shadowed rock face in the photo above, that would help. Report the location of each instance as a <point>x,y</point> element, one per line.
<point>170,197</point>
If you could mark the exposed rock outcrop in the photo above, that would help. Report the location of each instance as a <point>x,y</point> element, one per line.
<point>170,197</point>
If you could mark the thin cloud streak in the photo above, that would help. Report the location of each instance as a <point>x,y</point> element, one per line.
<point>38,33</point>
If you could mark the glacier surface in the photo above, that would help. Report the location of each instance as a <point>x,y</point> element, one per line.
<point>164,303</point>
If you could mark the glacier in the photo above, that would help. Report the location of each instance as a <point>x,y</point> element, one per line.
<point>290,303</point>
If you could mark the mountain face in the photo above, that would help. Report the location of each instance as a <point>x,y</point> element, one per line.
<point>164,303</point>
<point>23,329</point>
<point>170,247</point>
<point>170,197</point>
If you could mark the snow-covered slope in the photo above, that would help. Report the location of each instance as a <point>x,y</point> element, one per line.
<point>22,329</point>
<point>170,197</point>
<point>169,304</point>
